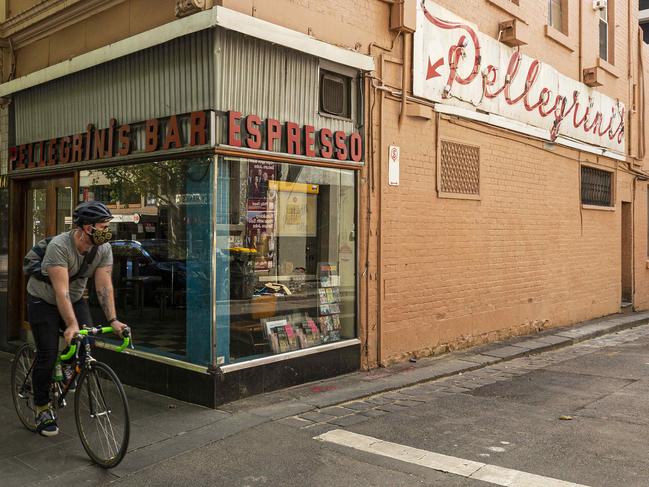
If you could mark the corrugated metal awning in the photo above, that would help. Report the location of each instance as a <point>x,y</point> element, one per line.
<point>215,17</point>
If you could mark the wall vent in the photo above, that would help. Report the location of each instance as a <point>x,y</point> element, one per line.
<point>458,172</point>
<point>335,94</point>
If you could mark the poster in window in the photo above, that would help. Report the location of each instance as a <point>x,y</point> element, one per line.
<point>296,214</point>
<point>260,218</point>
<point>259,175</point>
<point>260,236</point>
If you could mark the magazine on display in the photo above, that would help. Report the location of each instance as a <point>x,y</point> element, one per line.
<point>329,297</point>
<point>291,332</point>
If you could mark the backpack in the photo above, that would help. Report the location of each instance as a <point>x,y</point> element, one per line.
<point>32,264</point>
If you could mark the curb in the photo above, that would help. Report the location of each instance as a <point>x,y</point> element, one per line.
<point>453,364</point>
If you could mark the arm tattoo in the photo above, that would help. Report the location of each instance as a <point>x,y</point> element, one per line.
<point>103,295</point>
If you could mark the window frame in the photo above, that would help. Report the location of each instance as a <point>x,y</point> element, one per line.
<point>564,8</point>
<point>609,21</point>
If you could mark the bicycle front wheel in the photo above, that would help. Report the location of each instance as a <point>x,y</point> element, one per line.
<point>102,415</point>
<point>21,385</point>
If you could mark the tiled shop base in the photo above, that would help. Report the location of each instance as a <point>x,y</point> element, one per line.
<point>168,338</point>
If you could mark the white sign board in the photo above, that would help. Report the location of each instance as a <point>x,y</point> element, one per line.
<point>393,165</point>
<point>124,218</point>
<point>455,64</point>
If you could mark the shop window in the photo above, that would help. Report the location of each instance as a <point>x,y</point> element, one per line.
<point>458,170</point>
<point>596,187</point>
<point>335,94</point>
<point>286,268</point>
<point>161,243</point>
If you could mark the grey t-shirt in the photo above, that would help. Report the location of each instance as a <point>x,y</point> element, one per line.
<point>62,251</point>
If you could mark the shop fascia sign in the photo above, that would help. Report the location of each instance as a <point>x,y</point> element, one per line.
<point>455,64</point>
<point>156,134</point>
<point>301,140</point>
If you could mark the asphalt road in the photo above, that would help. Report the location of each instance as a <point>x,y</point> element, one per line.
<point>578,415</point>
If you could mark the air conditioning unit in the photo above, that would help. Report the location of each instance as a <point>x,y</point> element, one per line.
<point>600,4</point>
<point>403,16</point>
<point>590,77</point>
<point>512,33</point>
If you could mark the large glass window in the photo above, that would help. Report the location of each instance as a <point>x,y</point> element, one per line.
<point>286,257</point>
<point>161,250</point>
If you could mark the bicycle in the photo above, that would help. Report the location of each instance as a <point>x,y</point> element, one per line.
<point>100,405</point>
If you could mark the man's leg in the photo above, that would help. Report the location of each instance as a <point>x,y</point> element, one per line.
<point>84,318</point>
<point>82,312</point>
<point>44,320</point>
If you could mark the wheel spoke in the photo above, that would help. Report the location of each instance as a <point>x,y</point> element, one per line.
<point>102,416</point>
<point>21,386</point>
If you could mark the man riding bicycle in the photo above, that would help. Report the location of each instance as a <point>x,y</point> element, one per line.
<point>56,302</point>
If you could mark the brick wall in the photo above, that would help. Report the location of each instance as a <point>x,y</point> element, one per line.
<point>523,256</point>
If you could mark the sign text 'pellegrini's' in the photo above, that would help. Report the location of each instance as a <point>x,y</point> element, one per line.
<point>455,64</point>
<point>254,133</point>
<point>96,144</point>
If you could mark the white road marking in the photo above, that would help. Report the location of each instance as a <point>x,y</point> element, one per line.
<point>443,463</point>
<point>498,449</point>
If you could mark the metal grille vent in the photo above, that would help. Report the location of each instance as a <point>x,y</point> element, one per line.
<point>459,168</point>
<point>596,186</point>
<point>334,94</point>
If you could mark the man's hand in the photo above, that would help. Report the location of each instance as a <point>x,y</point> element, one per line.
<point>118,327</point>
<point>70,332</point>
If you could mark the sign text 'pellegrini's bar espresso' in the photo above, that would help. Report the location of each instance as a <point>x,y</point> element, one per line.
<point>254,133</point>
<point>113,141</point>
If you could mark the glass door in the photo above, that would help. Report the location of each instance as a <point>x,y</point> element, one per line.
<point>48,207</point>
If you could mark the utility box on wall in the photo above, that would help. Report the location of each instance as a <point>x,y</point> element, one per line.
<point>403,16</point>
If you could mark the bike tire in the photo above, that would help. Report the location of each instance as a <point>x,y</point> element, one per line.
<point>102,415</point>
<point>21,385</point>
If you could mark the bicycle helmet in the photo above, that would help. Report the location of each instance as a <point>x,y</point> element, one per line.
<point>91,212</point>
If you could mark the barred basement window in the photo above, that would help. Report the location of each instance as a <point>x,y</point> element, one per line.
<point>458,171</point>
<point>596,187</point>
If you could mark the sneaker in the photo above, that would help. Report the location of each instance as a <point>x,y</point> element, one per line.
<point>46,423</point>
<point>68,377</point>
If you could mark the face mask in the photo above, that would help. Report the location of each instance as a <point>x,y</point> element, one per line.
<point>100,236</point>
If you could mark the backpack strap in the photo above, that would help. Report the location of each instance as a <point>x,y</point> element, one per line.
<point>87,261</point>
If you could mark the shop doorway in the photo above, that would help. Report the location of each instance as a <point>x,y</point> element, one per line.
<point>45,209</point>
<point>627,255</point>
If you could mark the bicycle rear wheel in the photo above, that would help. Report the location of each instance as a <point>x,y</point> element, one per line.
<point>21,385</point>
<point>102,415</point>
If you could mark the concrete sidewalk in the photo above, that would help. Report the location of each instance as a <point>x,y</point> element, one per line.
<point>163,428</point>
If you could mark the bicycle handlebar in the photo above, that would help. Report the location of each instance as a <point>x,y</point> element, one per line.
<point>126,339</point>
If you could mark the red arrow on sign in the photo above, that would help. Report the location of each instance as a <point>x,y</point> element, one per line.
<point>432,68</point>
